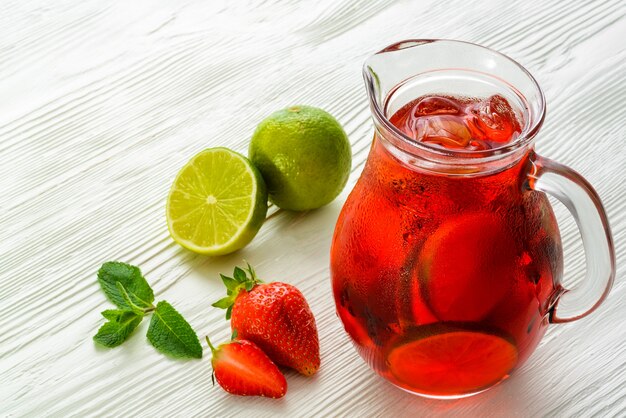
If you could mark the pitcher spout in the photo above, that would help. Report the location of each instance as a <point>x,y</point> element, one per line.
<point>383,70</point>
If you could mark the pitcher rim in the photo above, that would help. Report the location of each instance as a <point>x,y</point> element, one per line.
<point>524,140</point>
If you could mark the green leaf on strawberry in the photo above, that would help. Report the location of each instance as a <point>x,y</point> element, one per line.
<point>241,280</point>
<point>239,275</point>
<point>231,284</point>
<point>223,303</point>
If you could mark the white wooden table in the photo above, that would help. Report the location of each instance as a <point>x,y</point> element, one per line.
<point>102,102</point>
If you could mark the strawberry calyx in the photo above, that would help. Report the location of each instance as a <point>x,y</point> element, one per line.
<point>213,349</point>
<point>243,279</point>
<point>214,353</point>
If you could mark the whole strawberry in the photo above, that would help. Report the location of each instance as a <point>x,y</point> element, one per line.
<point>275,316</point>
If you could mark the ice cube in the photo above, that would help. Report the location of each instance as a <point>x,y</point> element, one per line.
<point>436,105</point>
<point>477,145</point>
<point>494,120</point>
<point>448,131</point>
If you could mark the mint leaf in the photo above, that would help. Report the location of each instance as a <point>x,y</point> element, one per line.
<point>130,277</point>
<point>171,334</point>
<point>113,314</point>
<point>119,327</point>
<point>122,290</point>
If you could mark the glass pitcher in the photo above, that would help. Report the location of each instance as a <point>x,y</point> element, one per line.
<point>446,264</point>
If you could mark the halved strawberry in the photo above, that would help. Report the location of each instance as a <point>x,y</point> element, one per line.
<point>241,368</point>
<point>275,316</point>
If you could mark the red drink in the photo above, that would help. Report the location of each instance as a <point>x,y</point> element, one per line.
<point>444,282</point>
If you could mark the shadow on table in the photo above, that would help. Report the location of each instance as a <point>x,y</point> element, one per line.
<point>509,398</point>
<point>284,237</point>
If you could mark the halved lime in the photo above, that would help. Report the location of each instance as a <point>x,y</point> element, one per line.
<point>217,203</point>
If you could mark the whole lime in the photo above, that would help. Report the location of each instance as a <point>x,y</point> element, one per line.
<point>304,156</point>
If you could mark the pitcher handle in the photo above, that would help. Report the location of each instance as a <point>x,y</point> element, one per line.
<point>585,206</point>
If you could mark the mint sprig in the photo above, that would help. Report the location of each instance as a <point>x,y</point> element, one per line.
<point>125,286</point>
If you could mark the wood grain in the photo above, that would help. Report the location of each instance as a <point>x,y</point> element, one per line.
<point>102,102</point>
